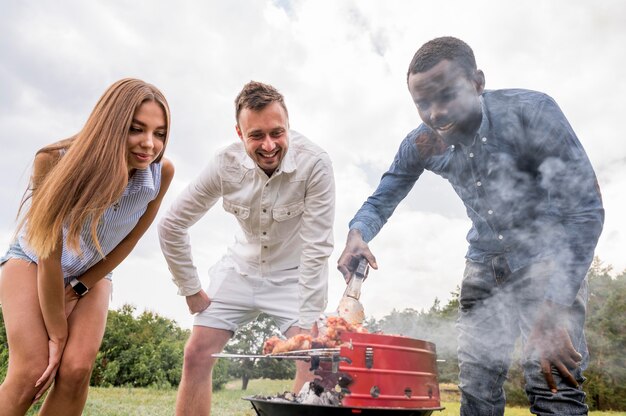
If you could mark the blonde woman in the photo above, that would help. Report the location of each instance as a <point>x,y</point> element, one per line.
<point>92,197</point>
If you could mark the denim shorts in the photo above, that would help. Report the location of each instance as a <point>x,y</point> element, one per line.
<point>16,252</point>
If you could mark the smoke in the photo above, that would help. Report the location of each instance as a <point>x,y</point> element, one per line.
<point>432,326</point>
<point>536,214</point>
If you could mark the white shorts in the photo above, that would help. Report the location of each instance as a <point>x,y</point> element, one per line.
<point>237,299</point>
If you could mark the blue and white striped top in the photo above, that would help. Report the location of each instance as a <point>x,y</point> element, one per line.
<point>116,223</point>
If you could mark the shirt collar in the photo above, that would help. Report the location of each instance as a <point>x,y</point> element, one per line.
<point>483,129</point>
<point>484,123</point>
<point>287,165</point>
<point>142,178</point>
<point>246,161</point>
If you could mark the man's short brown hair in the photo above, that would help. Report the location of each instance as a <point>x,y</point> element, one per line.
<point>256,96</point>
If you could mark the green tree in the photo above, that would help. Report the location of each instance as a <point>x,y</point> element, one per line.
<point>221,374</point>
<point>143,351</point>
<point>435,325</point>
<point>605,328</point>
<point>606,337</point>
<point>249,340</point>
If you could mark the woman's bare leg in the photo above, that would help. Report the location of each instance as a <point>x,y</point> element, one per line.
<point>26,334</point>
<point>86,325</point>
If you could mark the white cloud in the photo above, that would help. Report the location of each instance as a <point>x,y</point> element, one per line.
<point>342,67</point>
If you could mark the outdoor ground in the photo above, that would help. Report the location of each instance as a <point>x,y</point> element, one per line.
<point>229,402</point>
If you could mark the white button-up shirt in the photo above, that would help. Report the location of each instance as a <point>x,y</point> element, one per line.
<point>286,220</point>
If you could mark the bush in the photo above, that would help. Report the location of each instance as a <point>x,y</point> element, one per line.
<point>606,336</point>
<point>221,374</point>
<point>4,349</point>
<point>146,351</point>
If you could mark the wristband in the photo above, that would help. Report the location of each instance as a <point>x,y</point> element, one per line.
<point>79,287</point>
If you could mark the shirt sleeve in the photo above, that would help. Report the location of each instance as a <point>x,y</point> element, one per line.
<point>316,232</point>
<point>394,186</point>
<point>199,196</point>
<point>574,197</point>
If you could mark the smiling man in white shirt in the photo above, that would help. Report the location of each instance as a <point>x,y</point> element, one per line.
<point>280,188</point>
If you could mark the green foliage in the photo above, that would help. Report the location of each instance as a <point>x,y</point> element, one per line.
<point>372,325</point>
<point>221,374</point>
<point>139,351</point>
<point>435,325</point>
<point>514,385</point>
<point>4,348</point>
<point>606,337</point>
<point>249,340</point>
<point>605,330</point>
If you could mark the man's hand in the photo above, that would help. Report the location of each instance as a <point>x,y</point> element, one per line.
<point>355,249</point>
<point>198,302</point>
<point>550,342</point>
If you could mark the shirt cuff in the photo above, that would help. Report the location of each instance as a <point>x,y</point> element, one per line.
<point>366,233</point>
<point>190,288</point>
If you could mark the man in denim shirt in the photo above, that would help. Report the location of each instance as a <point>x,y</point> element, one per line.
<point>536,213</point>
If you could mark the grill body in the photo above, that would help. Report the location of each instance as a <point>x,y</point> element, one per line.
<point>389,371</point>
<point>384,375</point>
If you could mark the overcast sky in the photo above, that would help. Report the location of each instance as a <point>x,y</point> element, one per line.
<point>341,65</point>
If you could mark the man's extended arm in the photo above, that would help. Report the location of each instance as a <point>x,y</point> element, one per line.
<point>394,186</point>
<point>199,196</point>
<point>316,231</point>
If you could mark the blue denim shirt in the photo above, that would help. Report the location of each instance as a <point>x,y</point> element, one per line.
<point>526,183</point>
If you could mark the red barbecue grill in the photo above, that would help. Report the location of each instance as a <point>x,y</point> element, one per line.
<point>377,375</point>
<point>390,371</point>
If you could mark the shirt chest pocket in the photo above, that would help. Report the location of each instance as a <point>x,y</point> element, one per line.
<point>241,212</point>
<point>286,219</point>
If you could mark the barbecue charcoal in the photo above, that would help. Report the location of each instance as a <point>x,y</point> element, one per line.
<point>314,393</point>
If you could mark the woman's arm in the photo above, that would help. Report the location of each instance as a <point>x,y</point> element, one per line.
<point>50,284</point>
<point>123,249</point>
<point>51,301</point>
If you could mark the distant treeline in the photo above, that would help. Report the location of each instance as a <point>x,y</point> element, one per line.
<point>146,350</point>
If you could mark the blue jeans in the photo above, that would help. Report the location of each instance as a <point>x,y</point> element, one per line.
<point>496,308</point>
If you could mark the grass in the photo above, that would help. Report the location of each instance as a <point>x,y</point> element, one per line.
<point>229,402</point>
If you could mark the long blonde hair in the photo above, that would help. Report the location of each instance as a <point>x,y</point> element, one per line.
<point>93,172</point>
